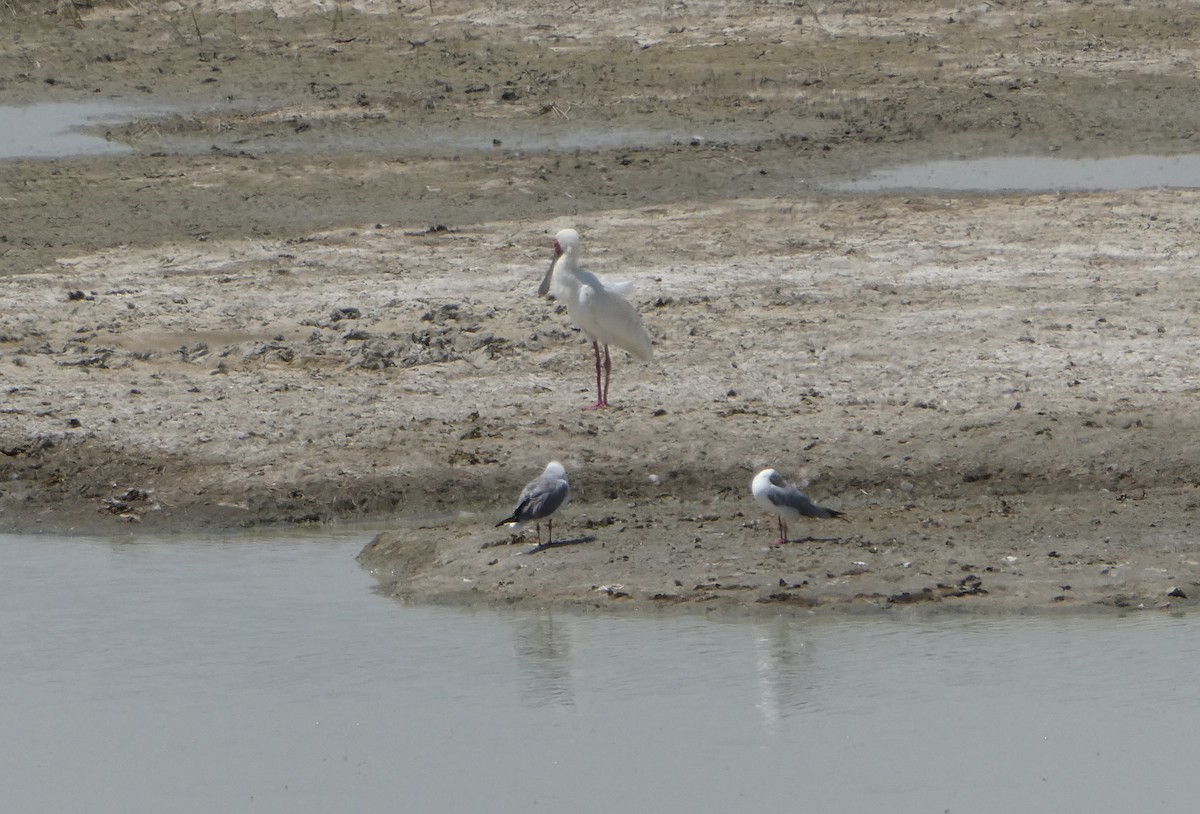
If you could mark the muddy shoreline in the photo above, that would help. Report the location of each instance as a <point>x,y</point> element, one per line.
<point>308,296</point>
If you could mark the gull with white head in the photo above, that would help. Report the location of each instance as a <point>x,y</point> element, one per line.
<point>776,495</point>
<point>600,311</point>
<point>539,500</point>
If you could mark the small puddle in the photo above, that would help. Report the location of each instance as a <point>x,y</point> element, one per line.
<point>1034,174</point>
<point>56,130</point>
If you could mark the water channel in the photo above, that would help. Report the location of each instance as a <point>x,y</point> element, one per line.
<point>263,673</point>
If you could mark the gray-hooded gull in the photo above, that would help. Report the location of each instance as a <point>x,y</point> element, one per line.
<point>540,499</point>
<point>776,495</point>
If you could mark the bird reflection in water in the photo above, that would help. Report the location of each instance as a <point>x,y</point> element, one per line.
<point>543,650</point>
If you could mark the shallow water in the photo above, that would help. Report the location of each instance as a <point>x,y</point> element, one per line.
<point>1034,174</point>
<point>473,137</point>
<point>263,674</point>
<point>53,129</point>
<point>62,129</point>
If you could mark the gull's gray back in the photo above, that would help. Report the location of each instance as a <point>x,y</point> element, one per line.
<point>792,498</point>
<point>542,498</point>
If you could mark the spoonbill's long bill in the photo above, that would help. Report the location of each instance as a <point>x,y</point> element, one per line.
<point>600,311</point>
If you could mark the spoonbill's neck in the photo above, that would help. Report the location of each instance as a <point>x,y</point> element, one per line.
<point>568,259</point>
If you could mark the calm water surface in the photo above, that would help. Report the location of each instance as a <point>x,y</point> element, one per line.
<point>263,674</point>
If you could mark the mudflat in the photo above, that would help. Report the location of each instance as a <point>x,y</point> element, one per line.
<point>305,291</point>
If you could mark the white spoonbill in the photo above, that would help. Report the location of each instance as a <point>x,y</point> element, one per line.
<point>601,312</point>
<point>776,495</point>
<point>539,500</point>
